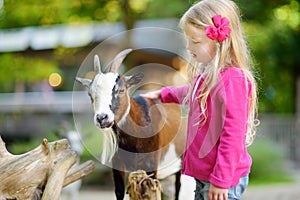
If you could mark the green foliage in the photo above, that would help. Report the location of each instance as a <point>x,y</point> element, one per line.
<point>275,45</point>
<point>170,8</point>
<point>269,164</point>
<point>257,10</point>
<point>40,12</point>
<point>274,67</point>
<point>15,69</point>
<point>23,146</point>
<point>20,147</point>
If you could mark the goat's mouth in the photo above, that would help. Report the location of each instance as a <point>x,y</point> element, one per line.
<point>105,125</point>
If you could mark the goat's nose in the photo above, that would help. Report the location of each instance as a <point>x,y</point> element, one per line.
<point>101,117</point>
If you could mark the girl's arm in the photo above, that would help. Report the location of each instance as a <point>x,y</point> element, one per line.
<point>155,94</point>
<point>174,94</point>
<point>232,141</point>
<point>170,94</point>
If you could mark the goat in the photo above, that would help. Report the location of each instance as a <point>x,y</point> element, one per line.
<point>145,132</point>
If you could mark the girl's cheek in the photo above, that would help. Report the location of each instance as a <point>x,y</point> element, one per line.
<point>191,46</point>
<point>203,51</point>
<point>204,54</point>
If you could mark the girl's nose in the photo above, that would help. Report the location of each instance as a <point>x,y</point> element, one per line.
<point>188,46</point>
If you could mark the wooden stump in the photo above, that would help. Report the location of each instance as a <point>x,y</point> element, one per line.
<point>40,173</point>
<point>143,187</point>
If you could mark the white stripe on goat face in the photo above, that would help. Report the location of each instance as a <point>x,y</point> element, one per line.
<point>101,94</point>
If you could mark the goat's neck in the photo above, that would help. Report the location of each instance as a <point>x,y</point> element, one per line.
<point>137,116</point>
<point>140,111</point>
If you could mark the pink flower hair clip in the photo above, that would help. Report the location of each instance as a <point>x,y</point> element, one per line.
<point>220,30</point>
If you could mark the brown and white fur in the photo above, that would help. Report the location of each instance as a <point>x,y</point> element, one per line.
<point>147,134</point>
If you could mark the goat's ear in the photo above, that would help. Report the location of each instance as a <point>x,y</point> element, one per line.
<point>134,79</point>
<point>97,66</point>
<point>83,81</point>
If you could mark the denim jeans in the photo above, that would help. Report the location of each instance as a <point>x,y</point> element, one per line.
<point>234,193</point>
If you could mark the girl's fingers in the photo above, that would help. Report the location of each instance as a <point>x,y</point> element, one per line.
<point>225,196</point>
<point>210,196</point>
<point>152,94</point>
<point>216,196</point>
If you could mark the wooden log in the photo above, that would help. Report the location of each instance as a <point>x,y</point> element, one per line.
<point>78,172</point>
<point>21,175</point>
<point>64,158</point>
<point>40,173</point>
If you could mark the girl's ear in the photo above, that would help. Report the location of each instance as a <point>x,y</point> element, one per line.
<point>134,79</point>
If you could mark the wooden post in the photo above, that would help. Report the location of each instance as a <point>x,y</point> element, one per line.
<point>143,187</point>
<point>40,173</point>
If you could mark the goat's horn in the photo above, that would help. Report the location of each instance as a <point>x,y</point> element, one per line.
<point>97,67</point>
<point>116,63</point>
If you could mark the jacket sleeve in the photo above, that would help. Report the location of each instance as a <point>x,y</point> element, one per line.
<point>233,98</point>
<point>174,94</point>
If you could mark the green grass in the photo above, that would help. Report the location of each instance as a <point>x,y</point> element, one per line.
<point>270,181</point>
<point>269,163</point>
<point>22,146</point>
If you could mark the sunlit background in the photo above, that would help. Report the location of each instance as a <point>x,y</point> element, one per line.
<point>43,43</point>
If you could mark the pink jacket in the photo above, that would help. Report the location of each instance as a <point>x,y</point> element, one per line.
<point>216,150</point>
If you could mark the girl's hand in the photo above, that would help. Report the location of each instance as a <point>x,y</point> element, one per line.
<point>217,193</point>
<point>155,94</point>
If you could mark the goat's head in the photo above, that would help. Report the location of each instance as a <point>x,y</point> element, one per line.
<point>109,91</point>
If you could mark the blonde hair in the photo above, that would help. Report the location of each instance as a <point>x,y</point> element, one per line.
<point>231,52</point>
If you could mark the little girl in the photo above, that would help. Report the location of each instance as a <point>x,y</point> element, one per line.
<point>222,100</point>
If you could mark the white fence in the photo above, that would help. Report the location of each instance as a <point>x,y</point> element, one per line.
<point>284,130</point>
<point>34,114</point>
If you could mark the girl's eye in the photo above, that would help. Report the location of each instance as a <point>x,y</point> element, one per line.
<point>121,90</point>
<point>195,42</point>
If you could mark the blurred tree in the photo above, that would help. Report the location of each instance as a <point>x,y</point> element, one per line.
<point>257,10</point>
<point>47,12</point>
<point>273,31</point>
<point>16,71</point>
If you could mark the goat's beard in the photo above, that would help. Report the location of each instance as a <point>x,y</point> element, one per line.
<point>110,145</point>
